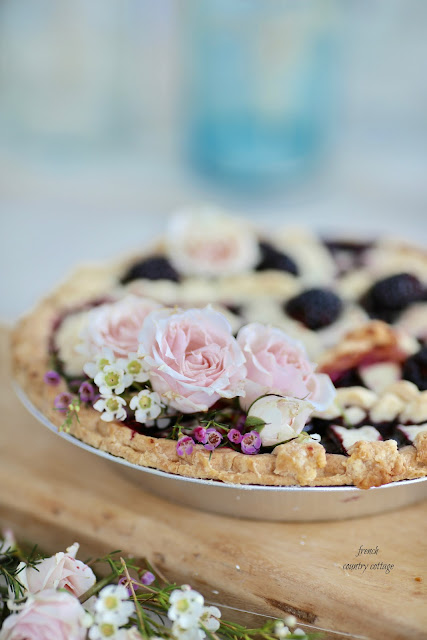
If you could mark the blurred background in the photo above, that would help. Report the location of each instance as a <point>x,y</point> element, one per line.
<point>113,113</point>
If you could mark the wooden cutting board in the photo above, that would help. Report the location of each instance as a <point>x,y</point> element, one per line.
<point>54,493</point>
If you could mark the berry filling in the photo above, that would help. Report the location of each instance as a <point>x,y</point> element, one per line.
<point>347,254</point>
<point>415,369</point>
<point>333,433</point>
<point>348,437</point>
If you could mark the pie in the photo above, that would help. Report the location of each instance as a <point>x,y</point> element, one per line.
<point>232,354</point>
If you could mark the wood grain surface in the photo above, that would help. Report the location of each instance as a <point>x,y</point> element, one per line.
<point>54,493</point>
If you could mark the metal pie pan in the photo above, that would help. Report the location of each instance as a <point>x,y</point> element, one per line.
<point>256,502</point>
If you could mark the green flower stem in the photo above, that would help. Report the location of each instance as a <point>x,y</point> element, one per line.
<point>141,386</point>
<point>144,586</point>
<point>98,586</point>
<point>211,634</point>
<point>138,607</point>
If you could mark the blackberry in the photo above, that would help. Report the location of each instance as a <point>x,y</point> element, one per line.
<point>237,309</point>
<point>315,308</point>
<point>349,378</point>
<point>153,268</point>
<point>415,369</point>
<point>272,258</point>
<point>388,297</point>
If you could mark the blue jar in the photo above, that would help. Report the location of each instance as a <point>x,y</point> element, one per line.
<point>259,88</point>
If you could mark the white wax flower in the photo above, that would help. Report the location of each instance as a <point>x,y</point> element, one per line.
<point>147,405</point>
<point>112,408</point>
<point>112,378</point>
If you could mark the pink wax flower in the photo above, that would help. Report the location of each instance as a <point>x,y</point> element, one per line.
<point>127,584</point>
<point>63,401</point>
<point>234,436</point>
<point>52,378</point>
<point>185,445</point>
<point>277,364</point>
<point>147,578</point>
<point>213,440</point>
<point>192,358</point>
<point>200,434</point>
<point>251,442</point>
<point>86,392</point>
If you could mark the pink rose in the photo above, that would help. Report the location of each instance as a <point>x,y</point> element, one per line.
<point>116,325</point>
<point>49,614</point>
<point>61,571</point>
<point>277,364</point>
<point>192,358</point>
<point>207,242</point>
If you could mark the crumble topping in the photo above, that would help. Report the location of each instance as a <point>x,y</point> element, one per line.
<point>372,464</point>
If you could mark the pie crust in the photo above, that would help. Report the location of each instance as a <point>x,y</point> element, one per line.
<point>296,462</point>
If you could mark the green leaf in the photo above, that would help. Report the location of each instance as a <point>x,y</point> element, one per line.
<point>255,423</point>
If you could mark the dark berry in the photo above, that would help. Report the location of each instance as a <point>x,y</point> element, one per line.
<point>349,378</point>
<point>387,297</point>
<point>153,268</point>
<point>272,258</point>
<point>237,309</point>
<point>315,308</point>
<point>415,369</point>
